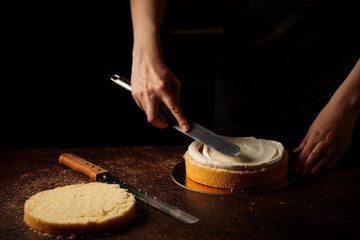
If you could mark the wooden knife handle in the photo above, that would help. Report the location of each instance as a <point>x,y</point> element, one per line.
<point>80,165</point>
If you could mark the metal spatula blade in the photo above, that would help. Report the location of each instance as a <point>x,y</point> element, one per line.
<point>211,139</point>
<point>197,132</point>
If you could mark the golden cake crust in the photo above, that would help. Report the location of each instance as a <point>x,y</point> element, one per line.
<point>224,178</point>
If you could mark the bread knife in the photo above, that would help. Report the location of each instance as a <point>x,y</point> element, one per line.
<point>99,174</point>
<point>197,132</point>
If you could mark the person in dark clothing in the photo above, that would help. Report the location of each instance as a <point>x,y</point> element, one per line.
<point>289,71</point>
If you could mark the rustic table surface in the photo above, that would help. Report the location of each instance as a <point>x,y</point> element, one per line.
<point>325,206</point>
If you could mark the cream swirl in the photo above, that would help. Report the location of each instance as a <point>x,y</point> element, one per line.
<point>254,153</point>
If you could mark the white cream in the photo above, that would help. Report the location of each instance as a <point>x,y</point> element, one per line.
<point>254,153</point>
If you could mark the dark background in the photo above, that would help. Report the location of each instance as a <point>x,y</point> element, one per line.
<point>56,63</point>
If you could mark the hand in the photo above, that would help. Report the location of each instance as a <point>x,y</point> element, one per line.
<point>154,84</point>
<point>327,139</point>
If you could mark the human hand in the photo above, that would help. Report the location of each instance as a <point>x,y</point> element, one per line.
<point>153,84</point>
<point>327,139</point>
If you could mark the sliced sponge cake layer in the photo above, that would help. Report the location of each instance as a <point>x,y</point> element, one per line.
<point>80,209</point>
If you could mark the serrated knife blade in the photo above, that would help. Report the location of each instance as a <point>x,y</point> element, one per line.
<point>97,173</point>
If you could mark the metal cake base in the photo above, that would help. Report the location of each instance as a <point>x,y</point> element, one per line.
<point>179,176</point>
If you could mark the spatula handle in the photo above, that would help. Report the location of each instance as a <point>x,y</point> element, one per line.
<point>121,81</point>
<point>80,165</point>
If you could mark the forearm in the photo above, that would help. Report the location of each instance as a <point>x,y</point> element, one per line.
<point>347,96</point>
<point>147,16</point>
<point>330,134</point>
